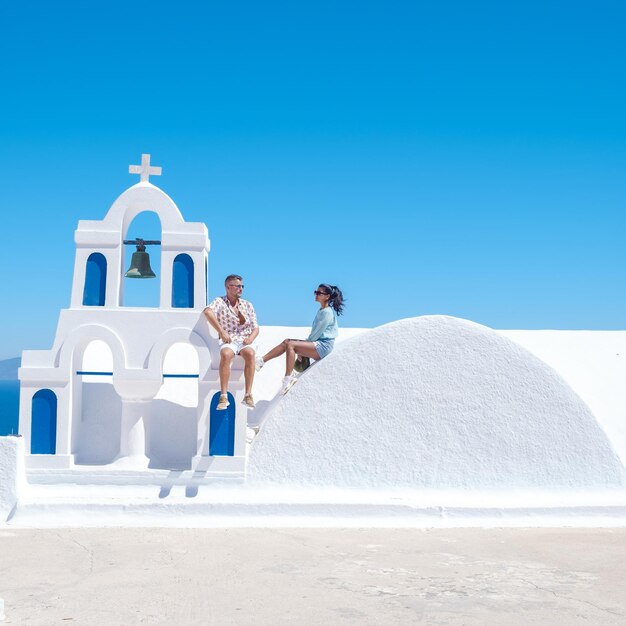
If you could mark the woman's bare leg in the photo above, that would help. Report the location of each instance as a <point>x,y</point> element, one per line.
<point>276,351</point>
<point>300,348</point>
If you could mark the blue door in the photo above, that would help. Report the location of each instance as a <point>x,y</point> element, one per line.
<point>43,438</point>
<point>222,428</point>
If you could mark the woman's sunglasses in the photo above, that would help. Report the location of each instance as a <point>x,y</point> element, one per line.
<point>320,293</point>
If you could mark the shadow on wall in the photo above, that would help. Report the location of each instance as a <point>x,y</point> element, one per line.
<point>263,408</point>
<point>100,428</point>
<point>257,416</point>
<point>171,430</point>
<point>172,433</point>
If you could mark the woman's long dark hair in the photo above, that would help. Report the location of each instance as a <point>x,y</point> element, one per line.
<point>336,299</point>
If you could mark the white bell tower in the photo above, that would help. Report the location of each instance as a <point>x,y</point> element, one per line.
<point>60,419</point>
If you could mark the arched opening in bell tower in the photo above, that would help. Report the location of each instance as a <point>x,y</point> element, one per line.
<point>142,292</point>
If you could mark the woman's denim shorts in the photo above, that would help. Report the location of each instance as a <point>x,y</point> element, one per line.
<point>324,347</point>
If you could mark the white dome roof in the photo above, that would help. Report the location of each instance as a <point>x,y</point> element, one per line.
<point>433,402</point>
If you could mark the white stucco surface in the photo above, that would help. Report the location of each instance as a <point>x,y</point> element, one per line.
<point>12,474</point>
<point>593,363</point>
<point>493,410</point>
<point>433,402</point>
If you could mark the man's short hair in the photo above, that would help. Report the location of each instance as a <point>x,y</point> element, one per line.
<point>232,277</point>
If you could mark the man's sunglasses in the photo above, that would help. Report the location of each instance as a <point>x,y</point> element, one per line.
<point>321,293</point>
<point>236,286</point>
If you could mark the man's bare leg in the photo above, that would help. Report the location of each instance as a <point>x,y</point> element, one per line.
<point>226,358</point>
<point>248,355</point>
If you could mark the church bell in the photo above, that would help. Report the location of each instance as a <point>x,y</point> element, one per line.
<point>140,261</point>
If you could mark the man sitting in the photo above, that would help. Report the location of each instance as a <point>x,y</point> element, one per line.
<point>234,320</point>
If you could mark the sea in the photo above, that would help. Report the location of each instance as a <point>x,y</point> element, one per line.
<point>9,406</point>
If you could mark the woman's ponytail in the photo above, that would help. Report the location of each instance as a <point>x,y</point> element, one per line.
<point>336,299</point>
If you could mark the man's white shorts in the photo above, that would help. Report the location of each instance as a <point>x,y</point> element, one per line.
<point>237,346</point>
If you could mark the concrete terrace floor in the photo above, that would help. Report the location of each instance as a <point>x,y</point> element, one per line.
<point>313,576</point>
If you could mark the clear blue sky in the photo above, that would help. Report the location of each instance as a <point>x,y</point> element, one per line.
<point>429,158</point>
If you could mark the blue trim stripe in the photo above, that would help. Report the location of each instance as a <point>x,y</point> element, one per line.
<point>181,376</point>
<point>81,373</point>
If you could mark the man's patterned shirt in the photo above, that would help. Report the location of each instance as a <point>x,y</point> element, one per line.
<point>229,320</point>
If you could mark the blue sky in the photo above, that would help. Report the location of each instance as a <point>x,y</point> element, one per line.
<point>429,158</point>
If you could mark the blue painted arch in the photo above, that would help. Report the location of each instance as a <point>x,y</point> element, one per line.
<point>94,293</point>
<point>222,428</point>
<point>182,282</point>
<point>43,434</point>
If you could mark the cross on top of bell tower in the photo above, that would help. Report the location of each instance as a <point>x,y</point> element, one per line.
<point>145,170</point>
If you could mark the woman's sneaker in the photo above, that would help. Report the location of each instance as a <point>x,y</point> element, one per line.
<point>223,403</point>
<point>288,383</point>
<point>258,363</point>
<point>251,433</point>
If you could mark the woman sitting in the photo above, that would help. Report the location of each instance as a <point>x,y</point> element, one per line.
<point>320,341</point>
